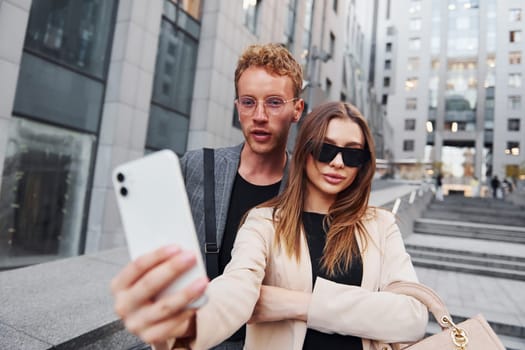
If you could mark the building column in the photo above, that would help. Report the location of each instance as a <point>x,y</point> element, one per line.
<point>126,113</point>
<point>13,23</point>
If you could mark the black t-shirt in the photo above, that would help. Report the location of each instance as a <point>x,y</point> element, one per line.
<point>316,238</point>
<point>244,197</point>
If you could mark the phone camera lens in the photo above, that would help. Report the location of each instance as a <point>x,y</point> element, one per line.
<point>124,191</point>
<point>120,177</point>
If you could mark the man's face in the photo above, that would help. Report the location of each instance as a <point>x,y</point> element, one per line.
<point>266,108</point>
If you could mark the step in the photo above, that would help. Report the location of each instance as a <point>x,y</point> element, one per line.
<point>472,230</point>
<point>465,208</point>
<point>470,269</point>
<point>477,218</point>
<point>463,252</point>
<point>454,257</point>
<point>477,246</point>
<point>477,202</point>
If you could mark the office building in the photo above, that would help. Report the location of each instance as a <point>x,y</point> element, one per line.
<point>452,85</point>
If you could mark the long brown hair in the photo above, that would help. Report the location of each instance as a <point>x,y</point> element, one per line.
<point>345,216</point>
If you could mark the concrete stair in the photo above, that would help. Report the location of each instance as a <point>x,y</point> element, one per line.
<point>472,252</point>
<point>477,210</point>
<point>501,233</point>
<point>485,264</point>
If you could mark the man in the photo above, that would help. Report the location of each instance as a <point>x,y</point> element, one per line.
<point>268,82</point>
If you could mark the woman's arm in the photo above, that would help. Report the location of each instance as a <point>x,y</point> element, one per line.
<point>276,304</point>
<point>352,310</point>
<point>233,295</point>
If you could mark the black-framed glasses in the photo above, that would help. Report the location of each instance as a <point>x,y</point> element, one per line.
<point>352,157</point>
<point>272,105</point>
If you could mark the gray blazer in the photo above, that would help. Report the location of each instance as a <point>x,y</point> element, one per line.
<point>226,165</point>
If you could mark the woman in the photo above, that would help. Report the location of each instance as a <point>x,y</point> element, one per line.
<point>308,267</point>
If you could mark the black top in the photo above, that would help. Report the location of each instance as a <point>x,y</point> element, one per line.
<point>244,197</point>
<point>316,238</point>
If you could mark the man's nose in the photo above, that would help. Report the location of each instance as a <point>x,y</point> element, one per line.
<point>260,111</point>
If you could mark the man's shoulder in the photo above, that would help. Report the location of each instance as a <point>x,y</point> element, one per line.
<point>220,151</point>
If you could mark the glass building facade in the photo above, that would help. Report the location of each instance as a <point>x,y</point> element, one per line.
<point>53,131</point>
<point>174,80</point>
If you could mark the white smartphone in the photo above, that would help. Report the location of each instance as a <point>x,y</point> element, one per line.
<point>155,211</point>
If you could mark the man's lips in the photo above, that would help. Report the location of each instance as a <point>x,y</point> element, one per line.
<point>261,135</point>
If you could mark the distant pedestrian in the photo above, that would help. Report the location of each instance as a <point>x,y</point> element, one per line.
<point>507,186</point>
<point>439,187</point>
<point>495,185</point>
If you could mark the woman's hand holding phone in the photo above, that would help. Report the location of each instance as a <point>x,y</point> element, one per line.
<point>135,288</point>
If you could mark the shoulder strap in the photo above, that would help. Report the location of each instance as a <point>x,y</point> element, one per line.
<point>211,248</point>
<point>425,295</point>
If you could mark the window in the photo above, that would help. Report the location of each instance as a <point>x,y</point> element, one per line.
<point>408,145</point>
<point>390,30</point>
<point>414,7</point>
<point>513,148</point>
<point>175,63</point>
<point>384,100</point>
<point>514,102</point>
<point>515,57</point>
<point>332,44</point>
<point>515,15</point>
<point>411,84</point>
<point>44,184</point>
<point>72,33</point>
<point>410,124</point>
<point>388,64</point>
<point>388,47</point>
<point>251,14</point>
<point>413,64</point>
<point>411,104</point>
<point>387,9</point>
<point>515,36</point>
<point>515,80</point>
<point>386,82</point>
<point>415,24</point>
<point>414,44</point>
<point>513,124</point>
<point>342,97</point>
<point>334,5</point>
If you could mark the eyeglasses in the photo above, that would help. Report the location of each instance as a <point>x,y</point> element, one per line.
<point>352,157</point>
<point>272,105</point>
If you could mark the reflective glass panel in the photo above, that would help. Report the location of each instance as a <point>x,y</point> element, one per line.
<point>75,33</point>
<point>175,69</point>
<point>48,92</point>
<point>44,182</point>
<point>167,129</point>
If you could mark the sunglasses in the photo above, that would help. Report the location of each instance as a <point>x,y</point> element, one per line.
<point>352,157</point>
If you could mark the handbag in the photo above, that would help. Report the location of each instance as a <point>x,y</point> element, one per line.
<point>472,334</point>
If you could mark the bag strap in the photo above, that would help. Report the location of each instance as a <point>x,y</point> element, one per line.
<point>211,249</point>
<point>425,295</point>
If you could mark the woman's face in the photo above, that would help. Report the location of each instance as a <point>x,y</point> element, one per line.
<point>326,179</point>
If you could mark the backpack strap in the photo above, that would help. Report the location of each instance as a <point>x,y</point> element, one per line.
<point>211,249</point>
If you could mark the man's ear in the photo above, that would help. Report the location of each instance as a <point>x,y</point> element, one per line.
<point>299,107</point>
